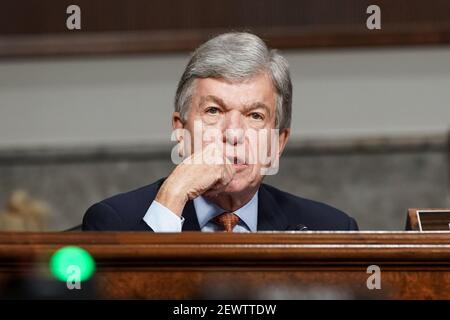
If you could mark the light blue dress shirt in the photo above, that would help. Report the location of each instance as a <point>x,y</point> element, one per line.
<point>162,219</point>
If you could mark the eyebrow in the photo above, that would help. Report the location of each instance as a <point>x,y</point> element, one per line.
<point>257,105</point>
<point>221,103</point>
<point>213,99</point>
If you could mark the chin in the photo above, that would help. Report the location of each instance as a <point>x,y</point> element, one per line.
<point>238,186</point>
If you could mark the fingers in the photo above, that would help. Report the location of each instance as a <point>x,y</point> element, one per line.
<point>253,159</point>
<point>211,171</point>
<point>224,169</point>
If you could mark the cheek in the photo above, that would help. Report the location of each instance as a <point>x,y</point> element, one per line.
<point>245,179</point>
<point>203,134</point>
<point>248,176</point>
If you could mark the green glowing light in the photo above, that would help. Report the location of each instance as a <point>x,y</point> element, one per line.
<point>68,260</point>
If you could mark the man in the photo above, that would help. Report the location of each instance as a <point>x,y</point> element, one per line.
<point>233,86</point>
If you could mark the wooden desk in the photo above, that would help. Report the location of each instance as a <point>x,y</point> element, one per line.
<point>414,265</point>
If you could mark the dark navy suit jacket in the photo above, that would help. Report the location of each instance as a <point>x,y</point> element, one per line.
<point>277,211</point>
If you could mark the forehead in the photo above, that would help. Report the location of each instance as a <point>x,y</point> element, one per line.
<point>258,89</point>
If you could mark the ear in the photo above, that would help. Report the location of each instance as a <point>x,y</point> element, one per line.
<point>283,139</point>
<point>177,121</point>
<point>183,141</point>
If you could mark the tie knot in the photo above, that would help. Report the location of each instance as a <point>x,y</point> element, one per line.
<point>227,221</point>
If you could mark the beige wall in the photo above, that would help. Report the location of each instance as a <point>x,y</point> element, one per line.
<point>122,100</point>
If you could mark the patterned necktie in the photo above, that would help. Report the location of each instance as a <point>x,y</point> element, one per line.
<point>226,221</point>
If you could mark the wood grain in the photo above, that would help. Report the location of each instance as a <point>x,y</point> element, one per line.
<point>414,265</point>
<point>37,27</point>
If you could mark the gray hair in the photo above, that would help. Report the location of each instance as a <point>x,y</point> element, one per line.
<point>236,57</point>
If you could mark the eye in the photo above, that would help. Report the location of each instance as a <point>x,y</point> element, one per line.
<point>256,116</point>
<point>212,110</point>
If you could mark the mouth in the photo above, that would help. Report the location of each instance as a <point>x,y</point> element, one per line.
<point>238,163</point>
<point>236,160</point>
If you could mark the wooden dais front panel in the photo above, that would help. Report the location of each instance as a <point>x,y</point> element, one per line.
<point>413,265</point>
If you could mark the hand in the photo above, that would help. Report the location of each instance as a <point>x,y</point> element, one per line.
<point>208,172</point>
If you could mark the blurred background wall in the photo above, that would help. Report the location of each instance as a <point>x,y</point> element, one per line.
<point>370,119</point>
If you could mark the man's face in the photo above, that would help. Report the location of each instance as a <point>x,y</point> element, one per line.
<point>234,112</point>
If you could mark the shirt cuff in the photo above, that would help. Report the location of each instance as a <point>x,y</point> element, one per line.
<point>161,219</point>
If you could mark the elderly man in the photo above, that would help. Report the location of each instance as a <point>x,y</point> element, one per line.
<point>233,85</point>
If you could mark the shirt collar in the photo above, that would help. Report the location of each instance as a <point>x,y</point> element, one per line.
<point>206,210</point>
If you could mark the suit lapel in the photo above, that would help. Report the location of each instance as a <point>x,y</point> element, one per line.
<point>270,216</point>
<point>190,216</point>
<point>190,222</point>
<point>142,226</point>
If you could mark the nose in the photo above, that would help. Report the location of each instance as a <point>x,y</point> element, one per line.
<point>234,129</point>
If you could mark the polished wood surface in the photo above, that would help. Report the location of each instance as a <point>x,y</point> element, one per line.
<point>38,28</point>
<point>428,219</point>
<point>414,265</point>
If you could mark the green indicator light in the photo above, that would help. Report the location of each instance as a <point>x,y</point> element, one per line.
<point>72,261</point>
